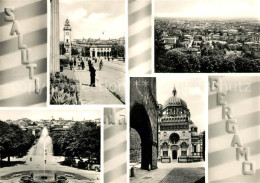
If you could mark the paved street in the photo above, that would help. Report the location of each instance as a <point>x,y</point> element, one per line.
<point>170,173</point>
<point>110,83</point>
<point>38,166</point>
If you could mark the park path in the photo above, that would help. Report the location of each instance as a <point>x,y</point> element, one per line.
<point>34,161</point>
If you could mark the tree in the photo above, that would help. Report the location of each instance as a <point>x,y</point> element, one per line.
<point>14,141</point>
<point>62,49</point>
<point>74,51</point>
<point>86,52</point>
<point>82,140</point>
<point>118,50</point>
<point>176,61</point>
<point>159,48</point>
<point>247,65</point>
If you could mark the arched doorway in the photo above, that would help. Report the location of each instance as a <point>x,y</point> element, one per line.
<point>139,120</point>
<point>174,154</point>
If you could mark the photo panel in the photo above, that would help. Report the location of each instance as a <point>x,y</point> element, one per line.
<point>167,129</point>
<point>140,37</point>
<point>50,146</point>
<point>206,36</point>
<point>87,58</point>
<point>115,145</point>
<point>23,53</point>
<point>234,127</point>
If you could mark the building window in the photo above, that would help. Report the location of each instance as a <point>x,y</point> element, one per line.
<point>165,153</point>
<point>195,148</point>
<point>183,153</point>
<point>67,40</point>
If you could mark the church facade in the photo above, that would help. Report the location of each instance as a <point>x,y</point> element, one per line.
<point>179,140</point>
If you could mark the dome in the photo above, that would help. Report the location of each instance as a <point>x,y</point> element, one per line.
<point>193,126</point>
<point>175,101</point>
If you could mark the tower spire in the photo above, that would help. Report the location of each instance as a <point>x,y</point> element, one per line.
<point>174,91</point>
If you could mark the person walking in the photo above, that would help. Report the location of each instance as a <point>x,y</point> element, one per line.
<point>92,76</point>
<point>71,64</point>
<point>82,65</point>
<point>89,63</point>
<point>75,62</point>
<point>100,64</point>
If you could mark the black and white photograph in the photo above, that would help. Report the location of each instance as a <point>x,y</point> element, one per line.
<point>208,36</point>
<point>167,129</point>
<point>50,146</point>
<point>87,64</point>
<point>234,128</point>
<point>23,53</point>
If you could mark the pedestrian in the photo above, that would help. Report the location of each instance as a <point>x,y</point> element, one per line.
<point>92,76</point>
<point>75,62</point>
<point>100,64</point>
<point>82,65</point>
<point>71,64</point>
<point>89,63</point>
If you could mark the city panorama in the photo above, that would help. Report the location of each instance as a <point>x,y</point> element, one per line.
<point>207,45</point>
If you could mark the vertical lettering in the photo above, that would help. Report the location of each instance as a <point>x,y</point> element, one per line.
<point>37,86</point>
<point>251,170</point>
<point>9,14</point>
<point>25,56</point>
<point>15,28</point>
<point>231,126</point>
<point>245,153</point>
<point>31,68</point>
<point>20,42</point>
<point>226,111</point>
<point>236,141</point>
<point>220,98</point>
<point>214,84</point>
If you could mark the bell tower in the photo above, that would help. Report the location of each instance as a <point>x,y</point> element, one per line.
<point>67,38</point>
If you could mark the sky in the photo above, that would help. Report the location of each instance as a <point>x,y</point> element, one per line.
<point>93,18</point>
<point>48,114</point>
<point>192,90</point>
<point>208,8</point>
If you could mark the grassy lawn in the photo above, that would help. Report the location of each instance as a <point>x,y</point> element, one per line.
<point>184,175</point>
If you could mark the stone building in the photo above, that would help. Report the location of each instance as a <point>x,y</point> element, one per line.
<point>103,51</point>
<point>179,139</point>
<point>143,122</point>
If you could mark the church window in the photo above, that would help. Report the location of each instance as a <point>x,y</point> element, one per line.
<point>165,153</point>
<point>174,138</point>
<point>184,153</point>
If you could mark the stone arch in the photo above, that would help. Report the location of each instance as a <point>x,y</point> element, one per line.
<point>139,120</point>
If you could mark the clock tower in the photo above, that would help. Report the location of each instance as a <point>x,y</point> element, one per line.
<point>67,38</point>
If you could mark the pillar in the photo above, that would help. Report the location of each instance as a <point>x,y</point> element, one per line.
<point>55,38</point>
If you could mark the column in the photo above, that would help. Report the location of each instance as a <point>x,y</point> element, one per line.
<point>55,38</point>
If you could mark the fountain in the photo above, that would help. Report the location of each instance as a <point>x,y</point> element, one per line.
<point>44,145</point>
<point>45,149</point>
<point>41,159</point>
